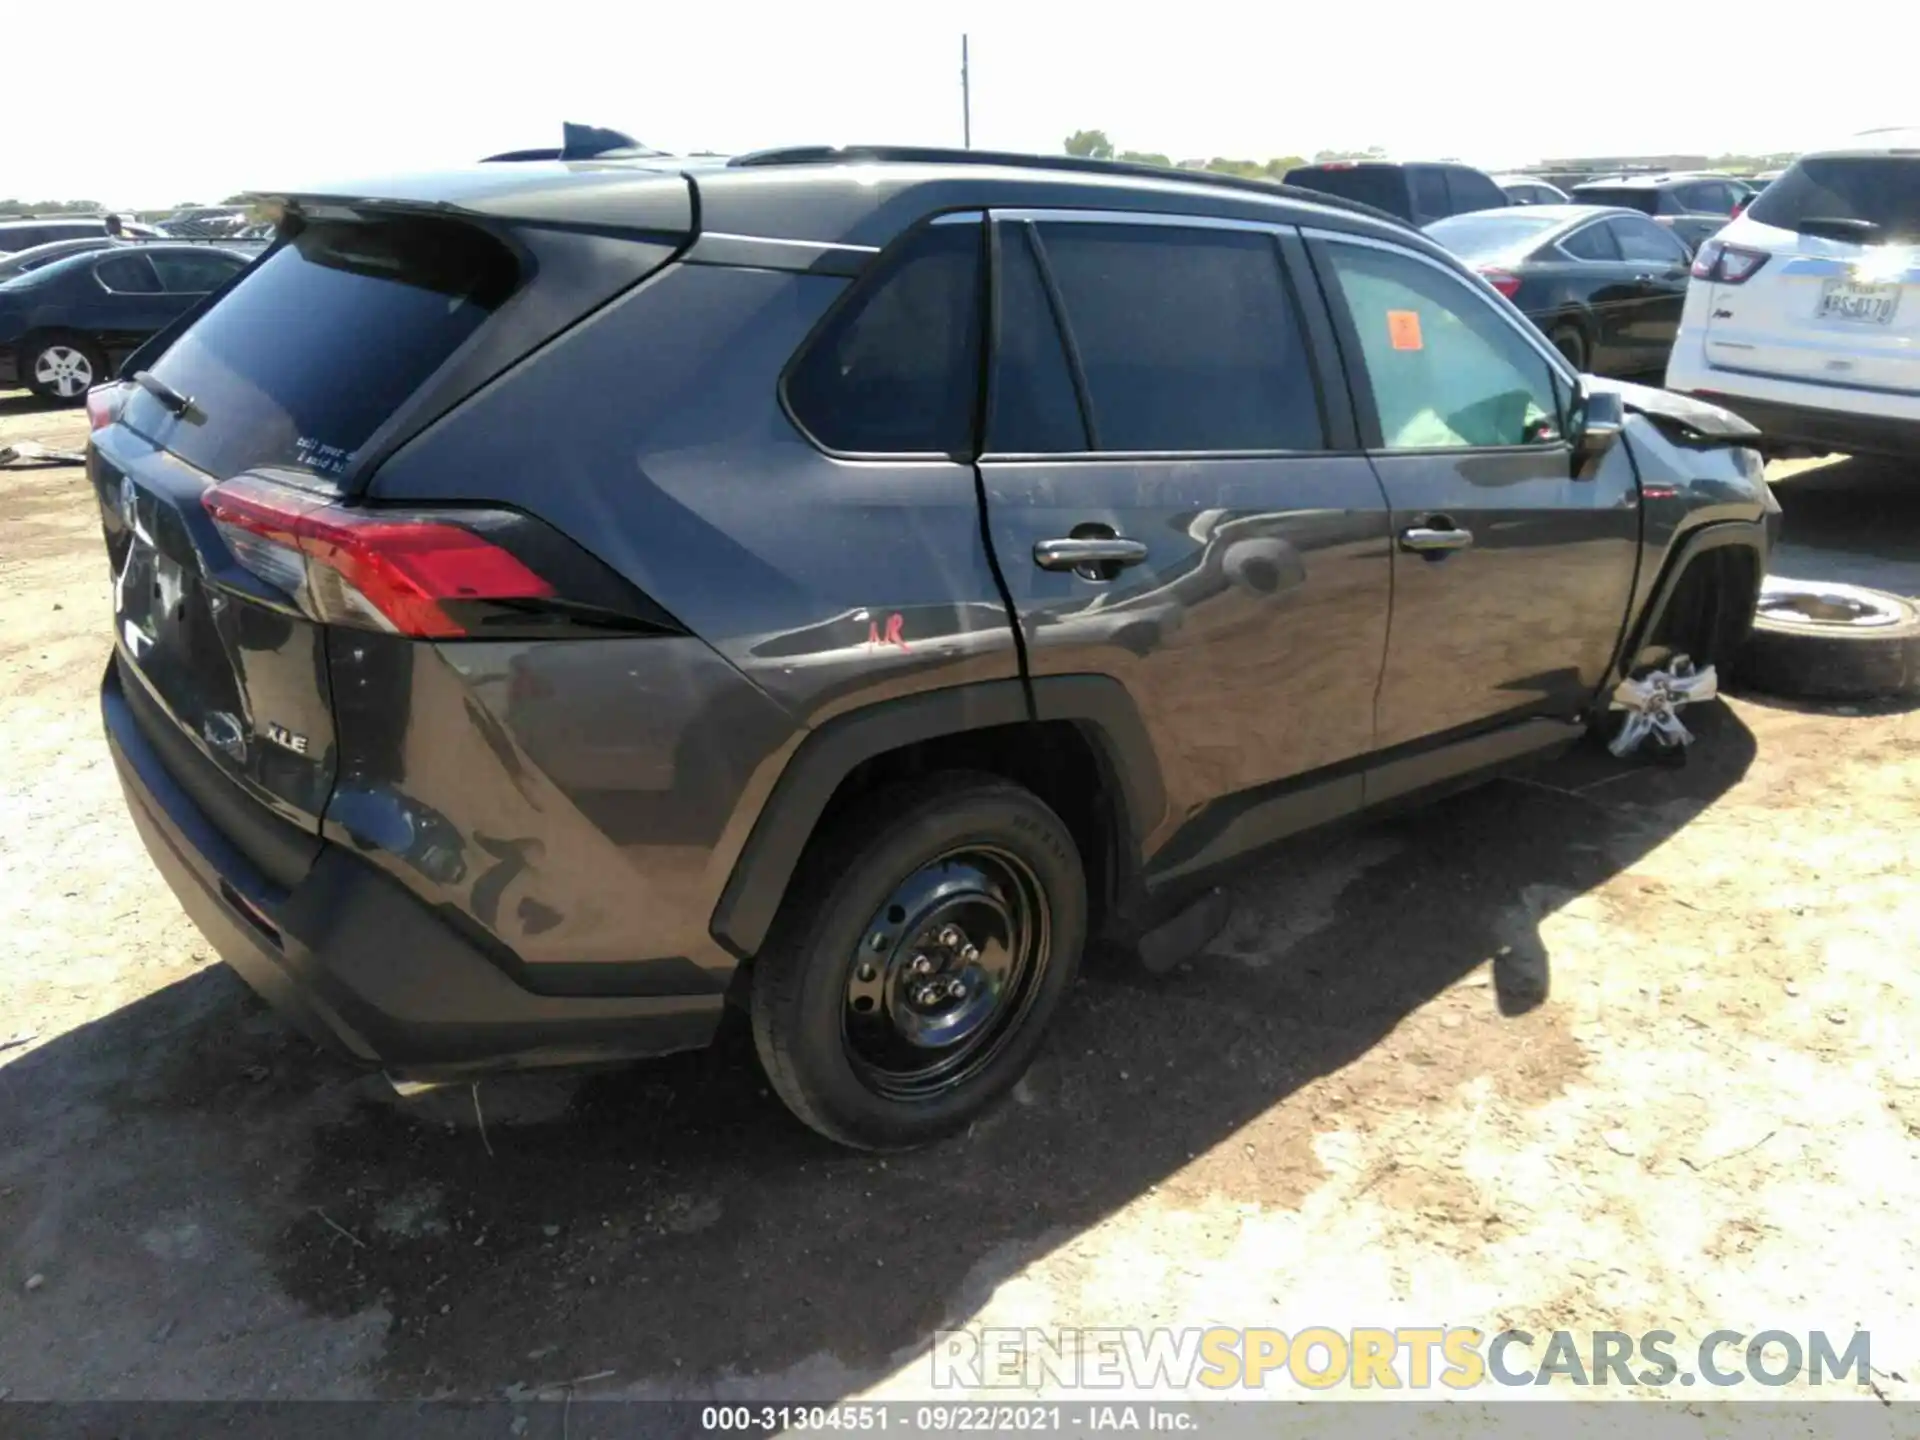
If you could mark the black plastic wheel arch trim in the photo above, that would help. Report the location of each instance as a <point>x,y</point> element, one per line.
<point>758,884</point>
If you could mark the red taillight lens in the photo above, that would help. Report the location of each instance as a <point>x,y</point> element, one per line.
<point>366,568</point>
<point>1727,264</point>
<point>1507,284</point>
<point>104,403</point>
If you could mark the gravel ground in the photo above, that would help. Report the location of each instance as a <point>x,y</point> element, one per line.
<point>1604,1047</point>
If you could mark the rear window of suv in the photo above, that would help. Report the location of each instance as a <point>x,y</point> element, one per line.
<point>322,342</point>
<point>1875,190</point>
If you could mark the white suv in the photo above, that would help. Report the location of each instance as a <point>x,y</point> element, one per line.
<point>1803,314</point>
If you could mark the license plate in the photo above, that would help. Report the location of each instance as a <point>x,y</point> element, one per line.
<point>1861,304</point>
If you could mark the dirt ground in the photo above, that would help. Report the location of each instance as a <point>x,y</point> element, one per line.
<point>1605,1047</point>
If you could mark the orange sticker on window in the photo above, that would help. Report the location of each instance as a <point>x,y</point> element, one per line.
<point>1403,328</point>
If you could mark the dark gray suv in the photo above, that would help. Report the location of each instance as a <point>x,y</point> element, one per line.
<point>554,601</point>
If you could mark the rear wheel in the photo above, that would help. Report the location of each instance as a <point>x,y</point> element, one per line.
<point>1571,342</point>
<point>62,367</point>
<point>926,942</point>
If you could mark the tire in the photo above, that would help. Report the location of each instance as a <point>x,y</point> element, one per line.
<point>1571,342</point>
<point>1822,641</point>
<point>61,367</point>
<point>838,1013</point>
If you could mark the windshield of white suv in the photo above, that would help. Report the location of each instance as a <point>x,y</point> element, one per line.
<point>1879,195</point>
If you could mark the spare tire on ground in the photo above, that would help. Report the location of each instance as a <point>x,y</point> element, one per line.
<point>1829,641</point>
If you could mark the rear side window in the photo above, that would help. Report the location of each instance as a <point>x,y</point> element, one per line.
<point>1592,242</point>
<point>895,368</point>
<point>1033,407</point>
<point>1878,194</point>
<point>1187,338</point>
<point>1429,191</point>
<point>312,351</point>
<point>1626,197</point>
<point>128,275</point>
<point>192,274</point>
<point>1643,240</point>
<point>1473,191</point>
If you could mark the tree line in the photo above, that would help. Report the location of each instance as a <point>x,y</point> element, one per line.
<point>1094,145</point>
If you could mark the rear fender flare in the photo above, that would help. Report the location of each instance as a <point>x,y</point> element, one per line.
<point>1099,705</point>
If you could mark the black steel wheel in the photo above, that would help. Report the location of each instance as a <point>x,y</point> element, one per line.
<point>924,944</point>
<point>943,971</point>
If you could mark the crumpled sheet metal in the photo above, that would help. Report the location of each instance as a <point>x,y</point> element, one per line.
<point>1652,704</point>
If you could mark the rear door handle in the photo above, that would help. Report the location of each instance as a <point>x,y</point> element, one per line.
<point>1074,554</point>
<point>1426,542</point>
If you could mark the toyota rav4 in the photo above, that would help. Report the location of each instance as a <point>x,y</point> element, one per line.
<point>555,601</point>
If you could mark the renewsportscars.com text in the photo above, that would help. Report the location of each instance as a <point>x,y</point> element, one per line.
<point>1369,1358</point>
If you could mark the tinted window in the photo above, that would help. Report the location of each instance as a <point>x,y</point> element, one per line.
<point>1187,338</point>
<point>1474,237</point>
<point>1875,190</point>
<point>128,275</point>
<point>1445,370</point>
<point>895,368</point>
<point>1627,197</point>
<point>1705,197</point>
<point>1643,240</point>
<point>1592,242</point>
<point>1033,406</point>
<point>192,273</point>
<point>1473,191</point>
<point>322,341</point>
<point>1381,186</point>
<point>1429,191</point>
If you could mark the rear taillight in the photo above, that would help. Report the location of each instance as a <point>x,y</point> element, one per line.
<point>1726,264</point>
<point>429,574</point>
<point>104,403</point>
<point>1507,283</point>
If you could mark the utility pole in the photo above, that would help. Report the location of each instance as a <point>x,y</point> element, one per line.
<point>966,99</point>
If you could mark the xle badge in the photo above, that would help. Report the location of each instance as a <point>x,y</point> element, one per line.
<point>281,736</point>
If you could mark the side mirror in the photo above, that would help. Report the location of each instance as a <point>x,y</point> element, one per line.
<point>1598,416</point>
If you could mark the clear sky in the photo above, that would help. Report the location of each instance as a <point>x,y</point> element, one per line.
<point>173,102</point>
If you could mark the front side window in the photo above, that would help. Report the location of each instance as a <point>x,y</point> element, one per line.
<point>895,369</point>
<point>1445,370</point>
<point>1429,190</point>
<point>1187,338</point>
<point>1473,191</point>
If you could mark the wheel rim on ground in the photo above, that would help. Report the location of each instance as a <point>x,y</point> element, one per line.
<point>64,371</point>
<point>1812,604</point>
<point>944,971</point>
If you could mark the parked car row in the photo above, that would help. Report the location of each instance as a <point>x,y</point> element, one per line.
<point>67,323</point>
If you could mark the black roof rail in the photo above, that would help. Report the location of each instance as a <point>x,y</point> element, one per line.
<point>1070,164</point>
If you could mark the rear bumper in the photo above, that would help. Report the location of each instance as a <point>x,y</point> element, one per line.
<point>359,964</point>
<point>1797,412</point>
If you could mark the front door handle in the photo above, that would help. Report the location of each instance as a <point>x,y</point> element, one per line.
<point>1426,541</point>
<point>1082,555</point>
